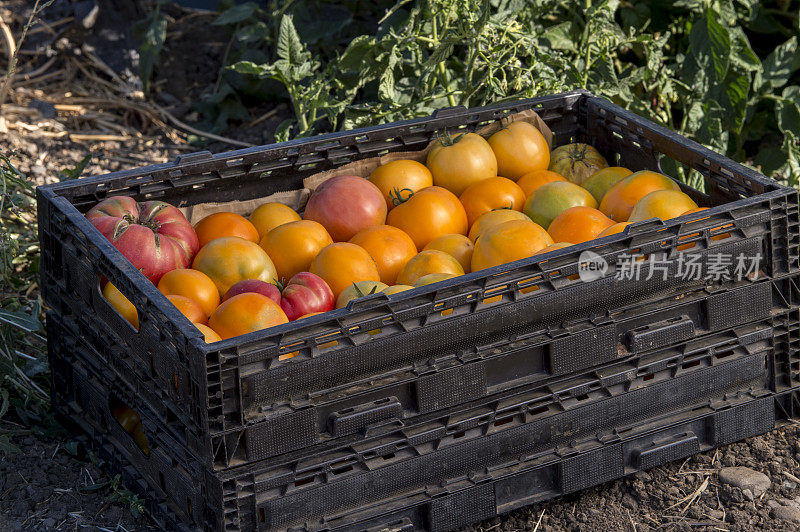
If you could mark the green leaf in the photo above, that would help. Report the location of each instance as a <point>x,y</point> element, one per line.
<point>6,447</point>
<point>560,37</point>
<point>76,171</point>
<point>290,48</point>
<point>3,402</point>
<point>779,65</point>
<point>787,110</point>
<point>283,130</point>
<point>236,14</point>
<point>22,320</point>
<point>710,39</point>
<point>742,54</point>
<point>253,33</point>
<point>152,31</point>
<point>356,53</point>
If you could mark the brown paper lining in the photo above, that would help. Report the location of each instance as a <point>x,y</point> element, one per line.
<point>296,199</point>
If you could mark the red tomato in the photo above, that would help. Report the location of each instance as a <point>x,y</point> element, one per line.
<point>306,293</point>
<point>155,236</point>
<point>345,205</point>
<point>254,285</point>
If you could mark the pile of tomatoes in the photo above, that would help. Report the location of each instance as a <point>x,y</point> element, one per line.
<point>475,203</point>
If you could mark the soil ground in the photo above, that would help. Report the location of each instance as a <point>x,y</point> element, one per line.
<point>46,486</point>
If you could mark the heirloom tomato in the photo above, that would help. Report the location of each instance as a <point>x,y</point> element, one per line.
<point>458,163</point>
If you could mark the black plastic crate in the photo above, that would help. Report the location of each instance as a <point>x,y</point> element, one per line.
<point>629,333</point>
<point>216,389</point>
<point>367,476</point>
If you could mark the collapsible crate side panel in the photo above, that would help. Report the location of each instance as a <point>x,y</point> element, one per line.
<point>232,498</point>
<point>491,369</point>
<point>467,501</point>
<point>704,368</point>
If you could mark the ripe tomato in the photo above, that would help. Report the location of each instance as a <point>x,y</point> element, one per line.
<point>579,224</point>
<point>304,294</point>
<point>294,245</point>
<point>222,224</point>
<point>457,246</point>
<point>456,164</point>
<point>553,247</point>
<point>231,259</point>
<point>270,215</point>
<point>359,289</point>
<point>245,313</point>
<point>154,236</point>
<point>396,289</point>
<point>520,148</point>
<point>193,284</point>
<point>208,333</point>
<point>254,285</point>
<point>552,199</point>
<point>604,180</point>
<point>189,308</point>
<point>127,417</point>
<point>345,205</point>
<point>431,212</point>
<point>614,229</point>
<point>342,264</point>
<point>662,204</point>
<point>618,202</point>
<point>398,180</point>
<point>507,242</point>
<point>433,278</point>
<point>489,195</point>
<point>533,180</point>
<point>389,246</point>
<point>577,162</point>
<point>121,304</point>
<point>425,262</point>
<point>492,218</point>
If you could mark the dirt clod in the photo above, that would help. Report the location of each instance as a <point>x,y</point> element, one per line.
<point>746,479</point>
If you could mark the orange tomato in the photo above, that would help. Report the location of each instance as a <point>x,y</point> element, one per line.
<point>533,180</point>
<point>600,182</point>
<point>231,259</point>
<point>245,313</point>
<point>389,246</point>
<point>457,246</point>
<point>270,215</point>
<point>309,315</point>
<point>579,224</point>
<point>189,308</point>
<point>398,180</point>
<point>519,148</point>
<point>507,242</point>
<point>396,289</point>
<point>551,199</point>
<point>425,262</point>
<point>662,204</point>
<point>618,202</point>
<point>614,229</point>
<point>121,304</point>
<point>193,284</point>
<point>342,264</point>
<point>553,247</point>
<point>430,213</point>
<point>127,417</point>
<point>458,163</point>
<point>222,224</point>
<point>292,246</point>
<point>491,194</point>
<point>433,278</point>
<point>140,438</point>
<point>692,211</point>
<point>208,333</point>
<point>493,218</point>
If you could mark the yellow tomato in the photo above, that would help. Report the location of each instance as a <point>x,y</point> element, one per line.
<point>431,261</point>
<point>662,204</point>
<point>398,180</point>
<point>458,246</point>
<point>121,304</point>
<point>231,259</point>
<point>270,215</point>
<point>519,148</point>
<point>456,164</point>
<point>292,246</point>
<point>490,219</point>
<point>508,242</point>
